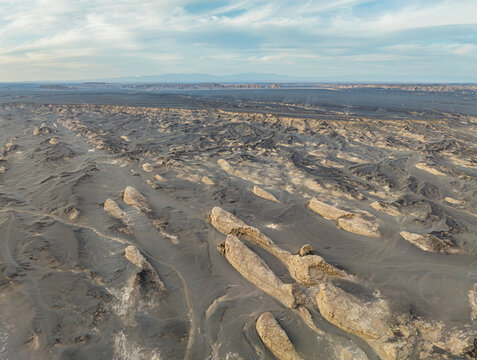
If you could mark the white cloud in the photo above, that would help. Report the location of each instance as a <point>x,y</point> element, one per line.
<point>171,35</point>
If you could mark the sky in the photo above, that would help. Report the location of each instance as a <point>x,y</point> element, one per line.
<point>354,40</point>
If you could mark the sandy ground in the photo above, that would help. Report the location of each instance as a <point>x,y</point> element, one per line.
<point>391,203</point>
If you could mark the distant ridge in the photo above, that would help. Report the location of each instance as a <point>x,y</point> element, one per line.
<point>206,78</point>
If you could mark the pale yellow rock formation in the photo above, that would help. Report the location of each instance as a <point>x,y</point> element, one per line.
<point>429,169</point>
<point>264,194</point>
<point>307,270</point>
<point>472,295</point>
<point>255,270</point>
<point>147,167</point>
<point>112,208</point>
<point>133,255</point>
<point>135,199</point>
<point>389,336</point>
<point>275,338</point>
<point>355,223</point>
<point>327,211</point>
<point>429,242</point>
<point>387,208</point>
<point>207,181</point>
<point>454,201</point>
<point>158,177</point>
<point>358,225</point>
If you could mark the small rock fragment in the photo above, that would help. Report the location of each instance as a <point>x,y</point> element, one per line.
<point>306,250</point>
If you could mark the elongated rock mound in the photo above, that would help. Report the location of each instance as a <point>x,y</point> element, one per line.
<point>113,209</point>
<point>309,269</point>
<point>135,199</point>
<point>146,271</point>
<point>390,337</point>
<point>346,220</point>
<point>429,242</point>
<point>264,194</point>
<point>255,270</point>
<point>275,338</point>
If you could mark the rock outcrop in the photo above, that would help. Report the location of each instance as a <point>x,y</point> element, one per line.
<point>255,270</point>
<point>356,223</point>
<point>429,169</point>
<point>309,269</point>
<point>275,338</point>
<point>145,271</point>
<point>113,209</point>
<point>147,167</point>
<point>429,242</point>
<point>43,130</point>
<point>264,194</point>
<point>391,337</point>
<point>472,296</point>
<point>135,199</point>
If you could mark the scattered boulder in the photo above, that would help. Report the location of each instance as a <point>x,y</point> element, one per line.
<point>429,242</point>
<point>152,184</point>
<point>54,141</point>
<point>275,338</point>
<point>264,194</point>
<point>255,270</point>
<point>9,146</point>
<point>73,214</point>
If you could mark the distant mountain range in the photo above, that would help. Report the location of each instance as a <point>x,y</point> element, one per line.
<point>206,78</point>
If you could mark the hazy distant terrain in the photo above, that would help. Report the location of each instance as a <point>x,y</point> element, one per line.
<point>163,224</point>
